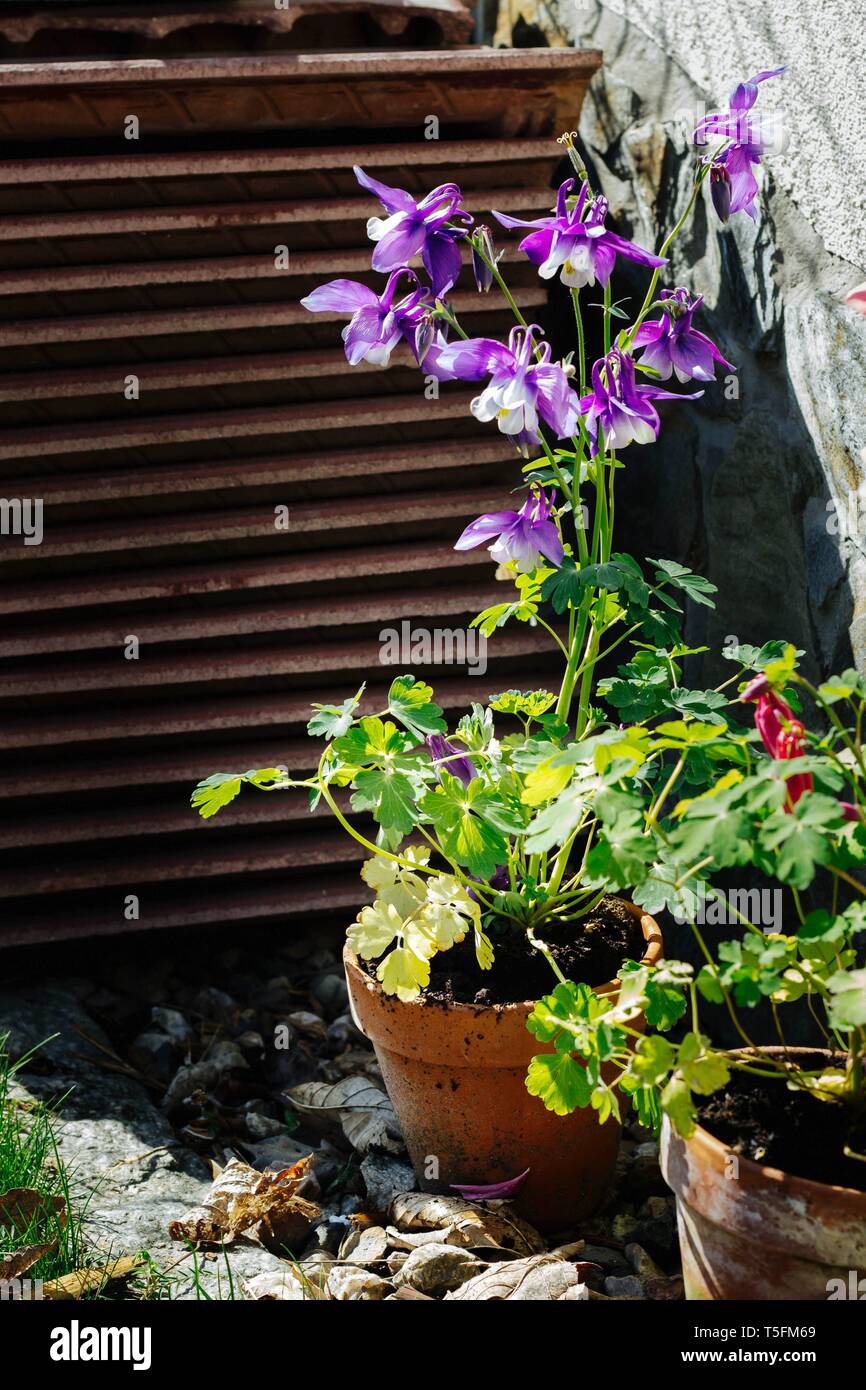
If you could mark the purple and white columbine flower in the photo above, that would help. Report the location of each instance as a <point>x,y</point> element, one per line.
<point>617,411</point>
<point>377,323</point>
<point>430,229</point>
<point>582,249</point>
<point>452,759</point>
<point>672,345</point>
<point>732,180</point>
<point>522,537</point>
<point>524,384</point>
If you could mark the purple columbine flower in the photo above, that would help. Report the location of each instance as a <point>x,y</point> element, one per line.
<point>672,345</point>
<point>522,537</point>
<point>581,248</point>
<point>617,411</point>
<point>430,229</point>
<point>452,758</point>
<point>377,323</point>
<point>732,181</point>
<point>524,384</point>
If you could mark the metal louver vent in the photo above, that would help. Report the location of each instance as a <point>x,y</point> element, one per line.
<point>163,393</point>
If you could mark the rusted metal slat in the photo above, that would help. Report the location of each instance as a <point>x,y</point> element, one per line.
<point>225,474</point>
<point>200,163</point>
<point>221,318</point>
<point>306,519</point>
<point>230,424</point>
<point>234,575</point>
<point>301,615</point>
<point>216,216</point>
<point>233,665</point>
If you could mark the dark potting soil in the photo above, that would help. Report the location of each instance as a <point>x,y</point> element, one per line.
<point>765,1121</point>
<point>590,951</point>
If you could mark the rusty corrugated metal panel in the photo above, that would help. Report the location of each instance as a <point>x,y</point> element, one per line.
<point>69,27</point>
<point>158,261</point>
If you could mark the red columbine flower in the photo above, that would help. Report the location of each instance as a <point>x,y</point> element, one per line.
<point>782,733</point>
<point>785,737</point>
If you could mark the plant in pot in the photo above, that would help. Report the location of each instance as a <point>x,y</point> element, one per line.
<point>764,1146</point>
<point>501,844</point>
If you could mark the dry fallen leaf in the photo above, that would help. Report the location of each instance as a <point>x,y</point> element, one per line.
<point>363,1112</point>
<point>20,1207</point>
<point>289,1285</point>
<point>349,1282</point>
<point>435,1269</point>
<point>472,1227</point>
<point>541,1278</point>
<point>14,1265</point>
<point>243,1199</point>
<point>84,1281</point>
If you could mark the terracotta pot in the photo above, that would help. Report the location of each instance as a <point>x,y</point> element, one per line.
<point>752,1232</point>
<point>455,1075</point>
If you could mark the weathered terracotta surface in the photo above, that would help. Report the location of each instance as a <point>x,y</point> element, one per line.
<point>756,1233</point>
<point>456,1079</point>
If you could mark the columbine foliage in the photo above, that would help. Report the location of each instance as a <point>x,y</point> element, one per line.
<point>536,804</point>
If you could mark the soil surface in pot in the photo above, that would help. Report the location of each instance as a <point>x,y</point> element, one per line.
<point>790,1130</point>
<point>590,951</point>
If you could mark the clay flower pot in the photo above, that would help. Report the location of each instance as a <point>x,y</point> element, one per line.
<point>752,1232</point>
<point>455,1075</point>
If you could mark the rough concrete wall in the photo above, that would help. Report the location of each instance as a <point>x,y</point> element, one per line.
<point>742,483</point>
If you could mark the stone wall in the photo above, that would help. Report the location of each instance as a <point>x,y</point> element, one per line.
<point>741,483</point>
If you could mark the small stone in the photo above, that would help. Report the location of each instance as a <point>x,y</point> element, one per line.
<point>623,1227</point>
<point>331,992</point>
<point>308,1024</point>
<point>279,993</point>
<point>342,1033</point>
<point>321,958</point>
<point>643,1264</point>
<point>213,1003</point>
<point>329,1234</point>
<point>612,1261</point>
<point>224,1057</point>
<point>384,1176</point>
<point>277,1152</point>
<point>172,1022</point>
<point>665,1289</point>
<point>350,1204</point>
<point>627,1287</point>
<point>155,1055</point>
<point>656,1224</point>
<point>262,1127</point>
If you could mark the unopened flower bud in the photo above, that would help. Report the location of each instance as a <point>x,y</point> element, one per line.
<point>423,337</point>
<point>482,247</point>
<point>720,191</point>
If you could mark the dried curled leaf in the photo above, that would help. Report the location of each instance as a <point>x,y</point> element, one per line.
<point>14,1265</point>
<point>468,1226</point>
<point>541,1278</point>
<point>21,1207</point>
<point>353,1104</point>
<point>290,1285</point>
<point>243,1199</point>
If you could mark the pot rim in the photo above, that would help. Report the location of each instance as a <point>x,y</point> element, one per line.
<point>763,1173</point>
<point>653,953</point>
